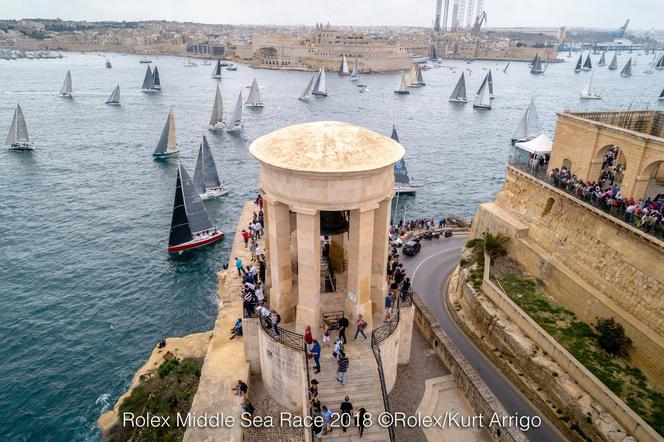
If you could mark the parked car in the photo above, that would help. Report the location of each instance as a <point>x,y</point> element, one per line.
<point>395,241</point>
<point>412,247</point>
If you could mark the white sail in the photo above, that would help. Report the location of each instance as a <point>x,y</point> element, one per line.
<point>356,71</point>
<point>66,86</point>
<point>483,100</point>
<point>412,76</point>
<point>18,132</point>
<point>114,98</point>
<point>602,60</point>
<point>306,94</point>
<point>254,98</point>
<point>343,68</point>
<point>166,144</point>
<point>587,91</point>
<point>237,111</point>
<point>320,87</point>
<point>403,85</point>
<point>217,109</point>
<point>529,126</point>
<point>614,62</point>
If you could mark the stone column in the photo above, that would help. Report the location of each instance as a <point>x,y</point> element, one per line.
<point>360,251</point>
<point>308,268</point>
<point>278,236</point>
<point>379,253</point>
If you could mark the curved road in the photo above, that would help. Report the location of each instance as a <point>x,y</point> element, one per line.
<point>429,271</point>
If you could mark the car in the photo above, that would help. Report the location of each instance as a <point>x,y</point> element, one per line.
<point>412,247</point>
<point>395,241</point>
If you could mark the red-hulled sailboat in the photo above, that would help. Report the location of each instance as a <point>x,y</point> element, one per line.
<point>190,226</point>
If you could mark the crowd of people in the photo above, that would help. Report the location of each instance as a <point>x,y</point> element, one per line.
<point>646,214</point>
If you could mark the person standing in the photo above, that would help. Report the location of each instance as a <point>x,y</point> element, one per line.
<point>245,236</point>
<point>342,368</point>
<point>389,301</point>
<point>346,407</point>
<point>276,319</point>
<point>308,338</point>
<point>359,420</point>
<point>360,326</point>
<point>239,266</point>
<point>326,332</point>
<point>327,418</point>
<point>405,288</point>
<point>315,351</point>
<point>343,323</point>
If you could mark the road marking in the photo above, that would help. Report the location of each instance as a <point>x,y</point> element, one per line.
<point>428,258</point>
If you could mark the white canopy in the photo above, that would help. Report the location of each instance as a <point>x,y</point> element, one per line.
<point>540,144</point>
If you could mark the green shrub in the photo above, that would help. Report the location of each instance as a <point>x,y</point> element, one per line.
<point>612,337</point>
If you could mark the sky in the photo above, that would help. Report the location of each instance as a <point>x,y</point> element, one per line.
<point>644,14</point>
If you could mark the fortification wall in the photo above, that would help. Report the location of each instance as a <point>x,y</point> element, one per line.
<point>593,264</point>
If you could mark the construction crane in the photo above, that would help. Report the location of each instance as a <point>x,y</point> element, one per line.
<point>620,33</point>
<point>479,20</point>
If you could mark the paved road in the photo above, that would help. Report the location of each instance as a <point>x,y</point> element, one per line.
<point>429,271</point>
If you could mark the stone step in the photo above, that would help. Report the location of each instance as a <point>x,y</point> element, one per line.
<point>374,433</point>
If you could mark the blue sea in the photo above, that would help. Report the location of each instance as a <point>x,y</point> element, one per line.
<point>87,288</point>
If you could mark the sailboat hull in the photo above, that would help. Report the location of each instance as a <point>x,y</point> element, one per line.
<point>417,84</point>
<point>113,103</point>
<point>405,189</point>
<point>21,146</point>
<point>590,97</point>
<point>457,100</point>
<point>149,91</point>
<point>481,106</point>
<point>234,129</point>
<point>66,95</point>
<point>214,193</point>
<point>167,154</point>
<point>586,69</point>
<point>217,77</point>
<point>254,105</point>
<point>306,100</point>
<point>401,92</point>
<point>353,78</point>
<point>216,127</point>
<point>194,244</point>
<point>319,94</point>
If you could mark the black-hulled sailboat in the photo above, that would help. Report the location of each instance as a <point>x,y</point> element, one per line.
<point>402,184</point>
<point>190,225</point>
<point>403,86</point>
<point>320,86</point>
<point>206,177</point>
<point>18,138</point>
<point>156,81</point>
<point>661,96</point>
<point>536,68</point>
<point>216,72</point>
<point>114,98</point>
<point>627,69</point>
<point>459,92</point>
<point>217,117</point>
<point>166,146</point>
<point>587,65</point>
<point>66,91</point>
<point>148,82</point>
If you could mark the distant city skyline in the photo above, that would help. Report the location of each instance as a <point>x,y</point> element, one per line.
<point>644,14</point>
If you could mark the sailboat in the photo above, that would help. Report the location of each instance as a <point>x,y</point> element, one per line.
<point>148,82</point>
<point>188,63</point>
<point>306,94</point>
<point>217,117</point>
<point>403,86</point>
<point>433,56</point>
<point>156,82</point>
<point>660,63</point>
<point>587,65</point>
<point>627,69</point>
<point>254,99</point>
<point>587,93</point>
<point>216,72</point>
<point>506,66</point>
<point>18,139</point>
<point>343,67</point>
<point>459,92</point>
<point>529,126</point>
<point>402,184</point>
<point>483,100</point>
<point>415,76</point>
<point>650,68</point>
<point>114,98</point>
<point>489,80</point>
<point>536,68</point>
<point>577,68</point>
<point>235,124</point>
<point>602,60</point>
<point>66,91</point>
<point>166,146</point>
<point>206,177</point>
<point>661,96</point>
<point>320,87</point>
<point>145,60</point>
<point>534,60</point>
<point>190,225</point>
<point>614,62</point>
<point>108,64</point>
<point>355,75</point>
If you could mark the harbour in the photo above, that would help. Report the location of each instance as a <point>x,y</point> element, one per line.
<point>88,254</point>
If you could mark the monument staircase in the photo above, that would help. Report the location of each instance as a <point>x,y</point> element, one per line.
<point>362,388</point>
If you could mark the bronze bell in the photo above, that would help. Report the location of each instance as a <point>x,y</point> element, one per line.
<point>333,223</point>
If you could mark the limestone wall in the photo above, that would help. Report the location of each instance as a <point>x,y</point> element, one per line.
<point>389,356</point>
<point>283,371</point>
<point>475,390</point>
<point>593,264</point>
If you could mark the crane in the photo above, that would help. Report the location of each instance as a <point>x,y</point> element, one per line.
<point>620,33</point>
<point>479,20</point>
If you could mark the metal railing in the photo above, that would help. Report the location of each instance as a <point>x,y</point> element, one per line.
<point>308,391</point>
<point>283,336</point>
<point>380,334</point>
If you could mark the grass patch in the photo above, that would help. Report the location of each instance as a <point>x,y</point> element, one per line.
<point>581,340</point>
<point>167,393</point>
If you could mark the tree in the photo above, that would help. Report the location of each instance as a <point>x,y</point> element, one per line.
<point>612,337</point>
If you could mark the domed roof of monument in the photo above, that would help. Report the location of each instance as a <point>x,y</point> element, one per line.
<point>326,147</point>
